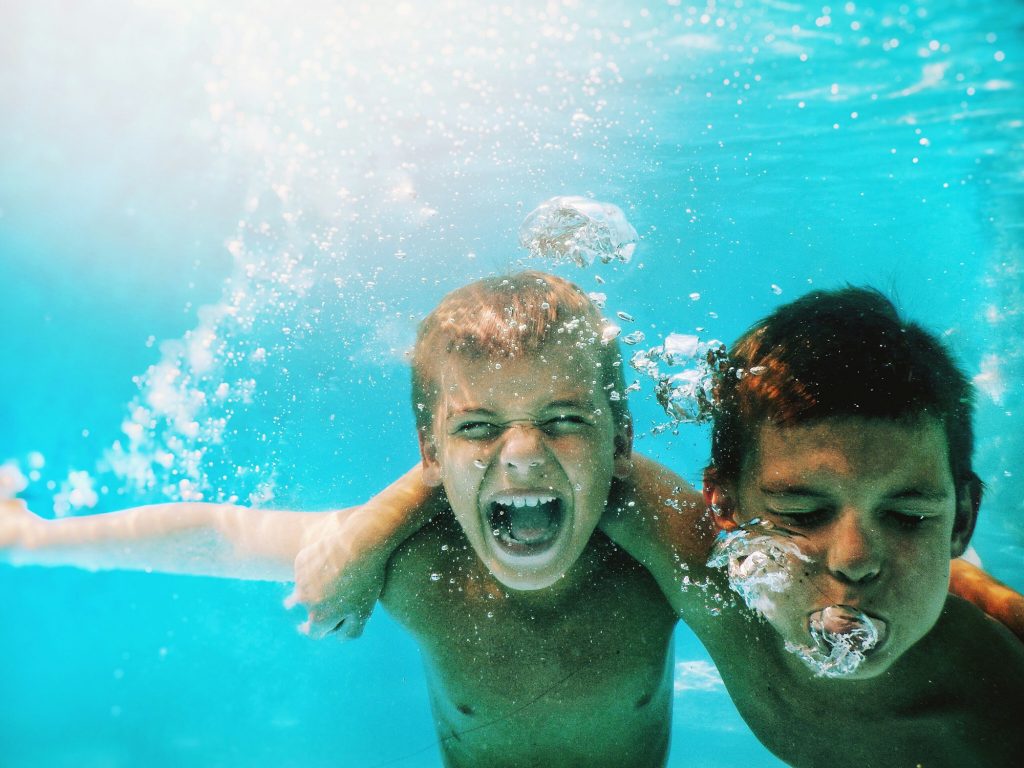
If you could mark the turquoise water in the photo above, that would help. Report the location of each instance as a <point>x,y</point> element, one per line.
<point>267,200</point>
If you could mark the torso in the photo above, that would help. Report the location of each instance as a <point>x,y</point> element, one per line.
<point>953,700</point>
<point>579,674</point>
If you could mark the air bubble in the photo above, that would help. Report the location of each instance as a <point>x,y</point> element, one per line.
<point>578,230</point>
<point>840,637</point>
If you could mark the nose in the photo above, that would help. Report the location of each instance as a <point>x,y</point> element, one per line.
<point>523,449</point>
<point>854,554</point>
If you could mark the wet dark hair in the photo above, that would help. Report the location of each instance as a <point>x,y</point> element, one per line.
<point>842,353</point>
<point>511,317</point>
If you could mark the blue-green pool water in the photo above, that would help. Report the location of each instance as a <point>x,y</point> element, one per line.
<point>290,188</point>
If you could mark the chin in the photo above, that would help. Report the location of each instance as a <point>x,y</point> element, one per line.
<point>525,574</point>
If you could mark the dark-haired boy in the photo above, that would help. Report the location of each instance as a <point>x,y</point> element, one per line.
<point>853,438</point>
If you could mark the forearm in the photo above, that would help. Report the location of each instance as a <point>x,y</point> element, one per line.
<point>662,521</point>
<point>994,598</point>
<point>384,522</point>
<point>341,572</point>
<point>194,538</point>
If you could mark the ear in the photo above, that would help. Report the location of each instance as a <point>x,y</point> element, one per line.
<point>968,500</point>
<point>720,499</point>
<point>623,450</point>
<point>428,456</point>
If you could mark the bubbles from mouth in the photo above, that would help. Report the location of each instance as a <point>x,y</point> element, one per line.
<point>840,637</point>
<point>759,560</point>
<point>528,529</point>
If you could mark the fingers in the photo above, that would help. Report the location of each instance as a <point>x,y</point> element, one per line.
<point>343,625</point>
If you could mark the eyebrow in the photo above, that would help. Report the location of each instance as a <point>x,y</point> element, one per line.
<point>585,404</point>
<point>786,489</point>
<point>907,494</point>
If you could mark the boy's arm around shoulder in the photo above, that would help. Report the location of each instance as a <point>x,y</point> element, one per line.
<point>183,537</point>
<point>340,572</point>
<point>993,597</point>
<point>664,523</point>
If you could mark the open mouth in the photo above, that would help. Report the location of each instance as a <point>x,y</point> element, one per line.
<point>525,524</point>
<point>848,626</point>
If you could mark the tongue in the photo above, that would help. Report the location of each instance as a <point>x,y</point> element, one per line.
<point>531,524</point>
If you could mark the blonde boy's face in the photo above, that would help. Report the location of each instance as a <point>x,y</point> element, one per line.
<point>873,505</point>
<point>526,450</point>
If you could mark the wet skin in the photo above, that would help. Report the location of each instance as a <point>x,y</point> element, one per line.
<point>523,429</point>
<point>559,656</point>
<point>873,504</point>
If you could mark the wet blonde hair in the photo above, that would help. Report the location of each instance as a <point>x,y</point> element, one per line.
<point>506,318</point>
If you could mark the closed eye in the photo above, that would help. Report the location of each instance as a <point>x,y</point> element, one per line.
<point>477,430</point>
<point>810,518</point>
<point>907,520</point>
<point>564,424</point>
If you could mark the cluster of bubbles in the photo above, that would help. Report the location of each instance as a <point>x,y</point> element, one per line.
<point>759,560</point>
<point>683,369</point>
<point>840,636</point>
<point>578,230</point>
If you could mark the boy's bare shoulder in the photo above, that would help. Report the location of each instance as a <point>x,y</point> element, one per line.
<point>985,650</point>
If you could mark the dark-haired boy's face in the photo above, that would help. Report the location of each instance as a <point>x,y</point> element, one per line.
<point>526,451</point>
<point>872,504</point>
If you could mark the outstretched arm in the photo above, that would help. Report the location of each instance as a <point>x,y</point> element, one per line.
<point>339,574</point>
<point>191,538</point>
<point>663,522</point>
<point>993,597</point>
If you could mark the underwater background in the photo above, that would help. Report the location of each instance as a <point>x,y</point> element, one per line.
<point>221,222</point>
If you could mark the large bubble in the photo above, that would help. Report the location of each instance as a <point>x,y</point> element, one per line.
<point>759,560</point>
<point>578,230</point>
<point>840,636</point>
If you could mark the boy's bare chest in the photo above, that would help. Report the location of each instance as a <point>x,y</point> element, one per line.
<point>584,678</point>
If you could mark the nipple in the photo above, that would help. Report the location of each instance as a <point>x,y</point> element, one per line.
<point>840,637</point>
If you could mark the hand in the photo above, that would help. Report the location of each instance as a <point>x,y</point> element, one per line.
<point>338,581</point>
<point>18,526</point>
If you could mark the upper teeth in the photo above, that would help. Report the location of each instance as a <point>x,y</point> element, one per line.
<point>526,499</point>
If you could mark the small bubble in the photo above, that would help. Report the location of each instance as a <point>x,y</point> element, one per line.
<point>776,290</point>
<point>435,577</point>
<point>479,464</point>
<point>624,316</point>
